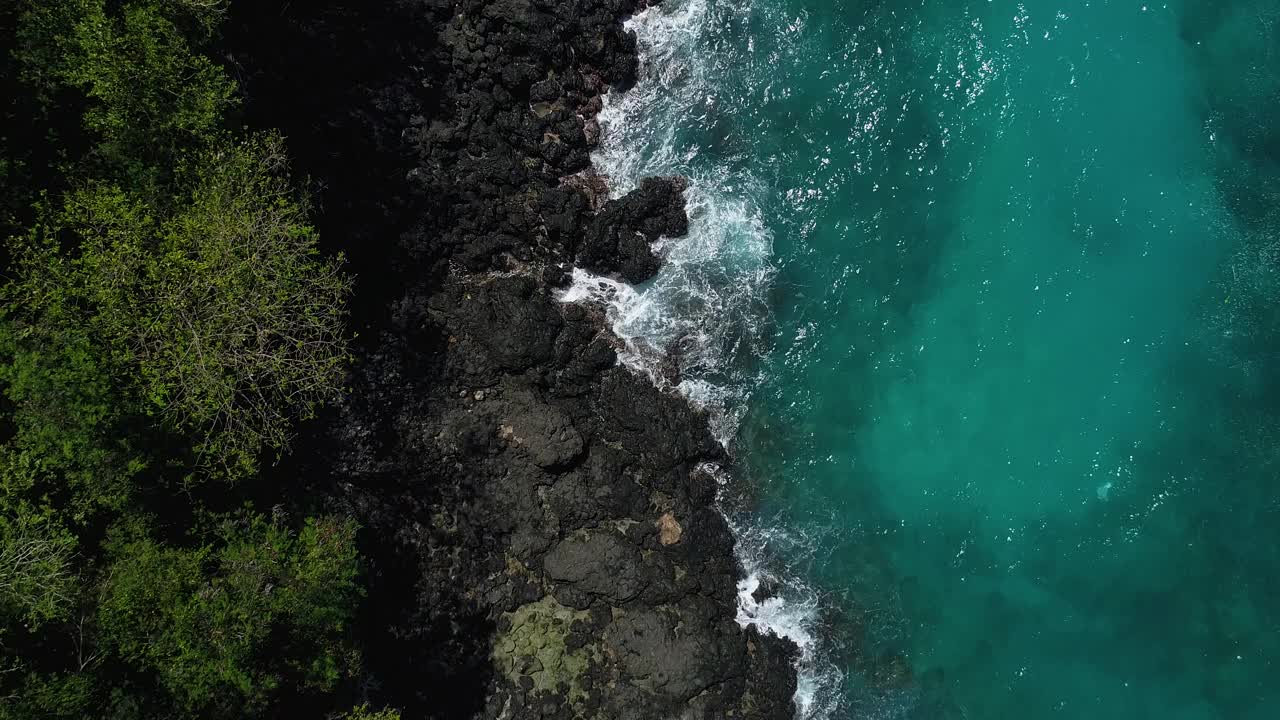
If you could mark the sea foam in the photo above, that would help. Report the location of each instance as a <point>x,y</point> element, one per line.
<point>707,308</point>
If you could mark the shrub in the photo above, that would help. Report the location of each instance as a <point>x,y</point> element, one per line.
<point>364,712</point>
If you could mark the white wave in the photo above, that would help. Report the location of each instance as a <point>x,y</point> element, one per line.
<point>633,145</point>
<point>706,311</point>
<point>628,313</point>
<point>788,620</point>
<point>791,610</point>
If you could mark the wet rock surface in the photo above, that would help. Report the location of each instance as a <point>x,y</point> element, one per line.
<point>541,541</point>
<point>619,239</point>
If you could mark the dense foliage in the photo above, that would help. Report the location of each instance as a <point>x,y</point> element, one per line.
<point>220,310</point>
<point>199,616</point>
<point>167,320</point>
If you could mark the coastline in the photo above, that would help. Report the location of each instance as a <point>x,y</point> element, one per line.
<point>595,359</point>
<point>702,322</point>
<point>543,534</point>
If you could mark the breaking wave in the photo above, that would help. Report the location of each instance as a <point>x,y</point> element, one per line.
<point>789,608</point>
<point>706,312</point>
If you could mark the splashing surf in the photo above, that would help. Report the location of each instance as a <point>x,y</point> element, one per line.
<point>707,308</point>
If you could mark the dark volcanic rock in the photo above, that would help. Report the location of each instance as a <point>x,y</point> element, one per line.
<point>662,659</point>
<point>767,589</point>
<point>600,563</point>
<point>619,238</point>
<point>546,433</point>
<point>538,529</point>
<point>509,323</point>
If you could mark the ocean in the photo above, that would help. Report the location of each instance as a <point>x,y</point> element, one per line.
<point>982,297</point>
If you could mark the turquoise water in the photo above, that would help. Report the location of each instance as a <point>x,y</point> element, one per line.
<point>985,296</point>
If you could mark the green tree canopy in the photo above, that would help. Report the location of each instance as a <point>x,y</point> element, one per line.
<point>37,580</point>
<point>245,328</point>
<point>148,94</point>
<point>274,608</point>
<point>165,319</point>
<point>221,319</point>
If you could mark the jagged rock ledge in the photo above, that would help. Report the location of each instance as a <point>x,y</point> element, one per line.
<point>542,534</point>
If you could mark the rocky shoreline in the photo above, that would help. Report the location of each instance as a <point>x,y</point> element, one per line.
<point>540,522</point>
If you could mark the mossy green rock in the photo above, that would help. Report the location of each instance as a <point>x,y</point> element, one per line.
<point>534,646</point>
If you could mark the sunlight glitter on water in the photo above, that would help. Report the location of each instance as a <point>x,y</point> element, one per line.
<point>985,294</point>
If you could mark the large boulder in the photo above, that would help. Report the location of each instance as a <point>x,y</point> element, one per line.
<point>601,563</point>
<point>546,433</point>
<point>619,240</point>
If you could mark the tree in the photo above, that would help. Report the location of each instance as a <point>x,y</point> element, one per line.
<point>220,319</point>
<point>245,321</point>
<point>164,315</point>
<point>148,93</point>
<point>67,404</point>
<point>37,583</point>
<point>40,695</point>
<point>271,610</point>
